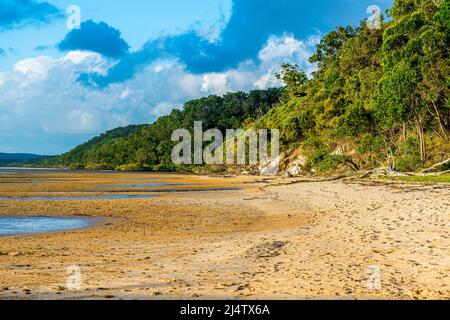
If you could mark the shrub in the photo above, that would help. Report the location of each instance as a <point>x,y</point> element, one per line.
<point>132,167</point>
<point>98,166</point>
<point>408,157</point>
<point>165,168</point>
<point>76,166</point>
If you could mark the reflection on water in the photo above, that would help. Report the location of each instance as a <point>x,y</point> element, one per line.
<point>192,190</point>
<point>142,186</point>
<point>119,196</point>
<point>147,187</point>
<point>33,225</point>
<point>40,171</point>
<point>4,170</point>
<point>116,196</point>
<point>125,185</point>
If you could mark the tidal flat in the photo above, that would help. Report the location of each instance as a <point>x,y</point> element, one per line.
<point>239,238</point>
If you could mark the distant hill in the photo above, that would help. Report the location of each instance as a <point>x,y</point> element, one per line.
<point>19,159</point>
<point>77,156</point>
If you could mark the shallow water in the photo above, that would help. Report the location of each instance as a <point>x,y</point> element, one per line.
<point>6,171</point>
<point>120,196</point>
<point>41,171</point>
<point>143,185</point>
<point>192,190</point>
<point>33,225</point>
<point>116,196</point>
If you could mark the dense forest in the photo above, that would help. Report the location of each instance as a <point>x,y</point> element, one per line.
<point>378,98</point>
<point>149,147</point>
<point>19,159</point>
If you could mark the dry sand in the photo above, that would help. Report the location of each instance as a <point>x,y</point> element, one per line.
<point>272,239</point>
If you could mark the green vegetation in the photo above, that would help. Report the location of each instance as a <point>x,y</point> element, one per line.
<point>379,97</point>
<point>424,179</point>
<point>18,159</point>
<point>149,147</point>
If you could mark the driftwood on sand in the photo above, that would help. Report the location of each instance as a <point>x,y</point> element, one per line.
<point>441,167</point>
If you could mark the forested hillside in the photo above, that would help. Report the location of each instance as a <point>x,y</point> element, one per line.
<point>18,159</point>
<point>378,98</point>
<point>149,147</point>
<point>76,157</point>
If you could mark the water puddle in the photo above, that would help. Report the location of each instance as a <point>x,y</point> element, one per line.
<point>41,171</point>
<point>104,197</point>
<point>34,225</point>
<point>193,190</point>
<point>131,185</point>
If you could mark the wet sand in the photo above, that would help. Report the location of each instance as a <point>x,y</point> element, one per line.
<point>272,239</point>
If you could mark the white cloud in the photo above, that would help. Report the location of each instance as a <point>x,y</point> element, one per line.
<point>77,57</point>
<point>34,68</point>
<point>41,95</point>
<point>280,48</point>
<point>81,121</point>
<point>215,82</point>
<point>164,108</point>
<point>288,49</point>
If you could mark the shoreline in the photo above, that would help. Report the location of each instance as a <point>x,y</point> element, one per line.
<point>271,239</point>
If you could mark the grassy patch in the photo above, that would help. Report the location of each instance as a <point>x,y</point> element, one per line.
<point>425,179</point>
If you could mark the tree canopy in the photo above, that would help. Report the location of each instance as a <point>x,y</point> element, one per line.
<point>376,95</point>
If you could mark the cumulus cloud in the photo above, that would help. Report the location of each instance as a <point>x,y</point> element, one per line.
<point>34,67</point>
<point>248,28</point>
<point>96,37</point>
<point>164,108</point>
<point>41,96</point>
<point>15,14</point>
<point>50,104</point>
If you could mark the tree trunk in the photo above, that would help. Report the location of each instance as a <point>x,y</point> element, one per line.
<point>421,135</point>
<point>440,119</point>
<point>404,131</point>
<point>391,162</point>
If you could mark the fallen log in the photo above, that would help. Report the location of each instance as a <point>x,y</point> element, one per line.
<point>442,166</point>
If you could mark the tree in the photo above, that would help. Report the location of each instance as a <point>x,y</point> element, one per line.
<point>294,78</point>
<point>412,90</point>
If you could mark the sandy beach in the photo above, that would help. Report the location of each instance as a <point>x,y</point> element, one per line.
<point>272,238</point>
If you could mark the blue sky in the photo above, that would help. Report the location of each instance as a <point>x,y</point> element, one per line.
<point>132,61</point>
